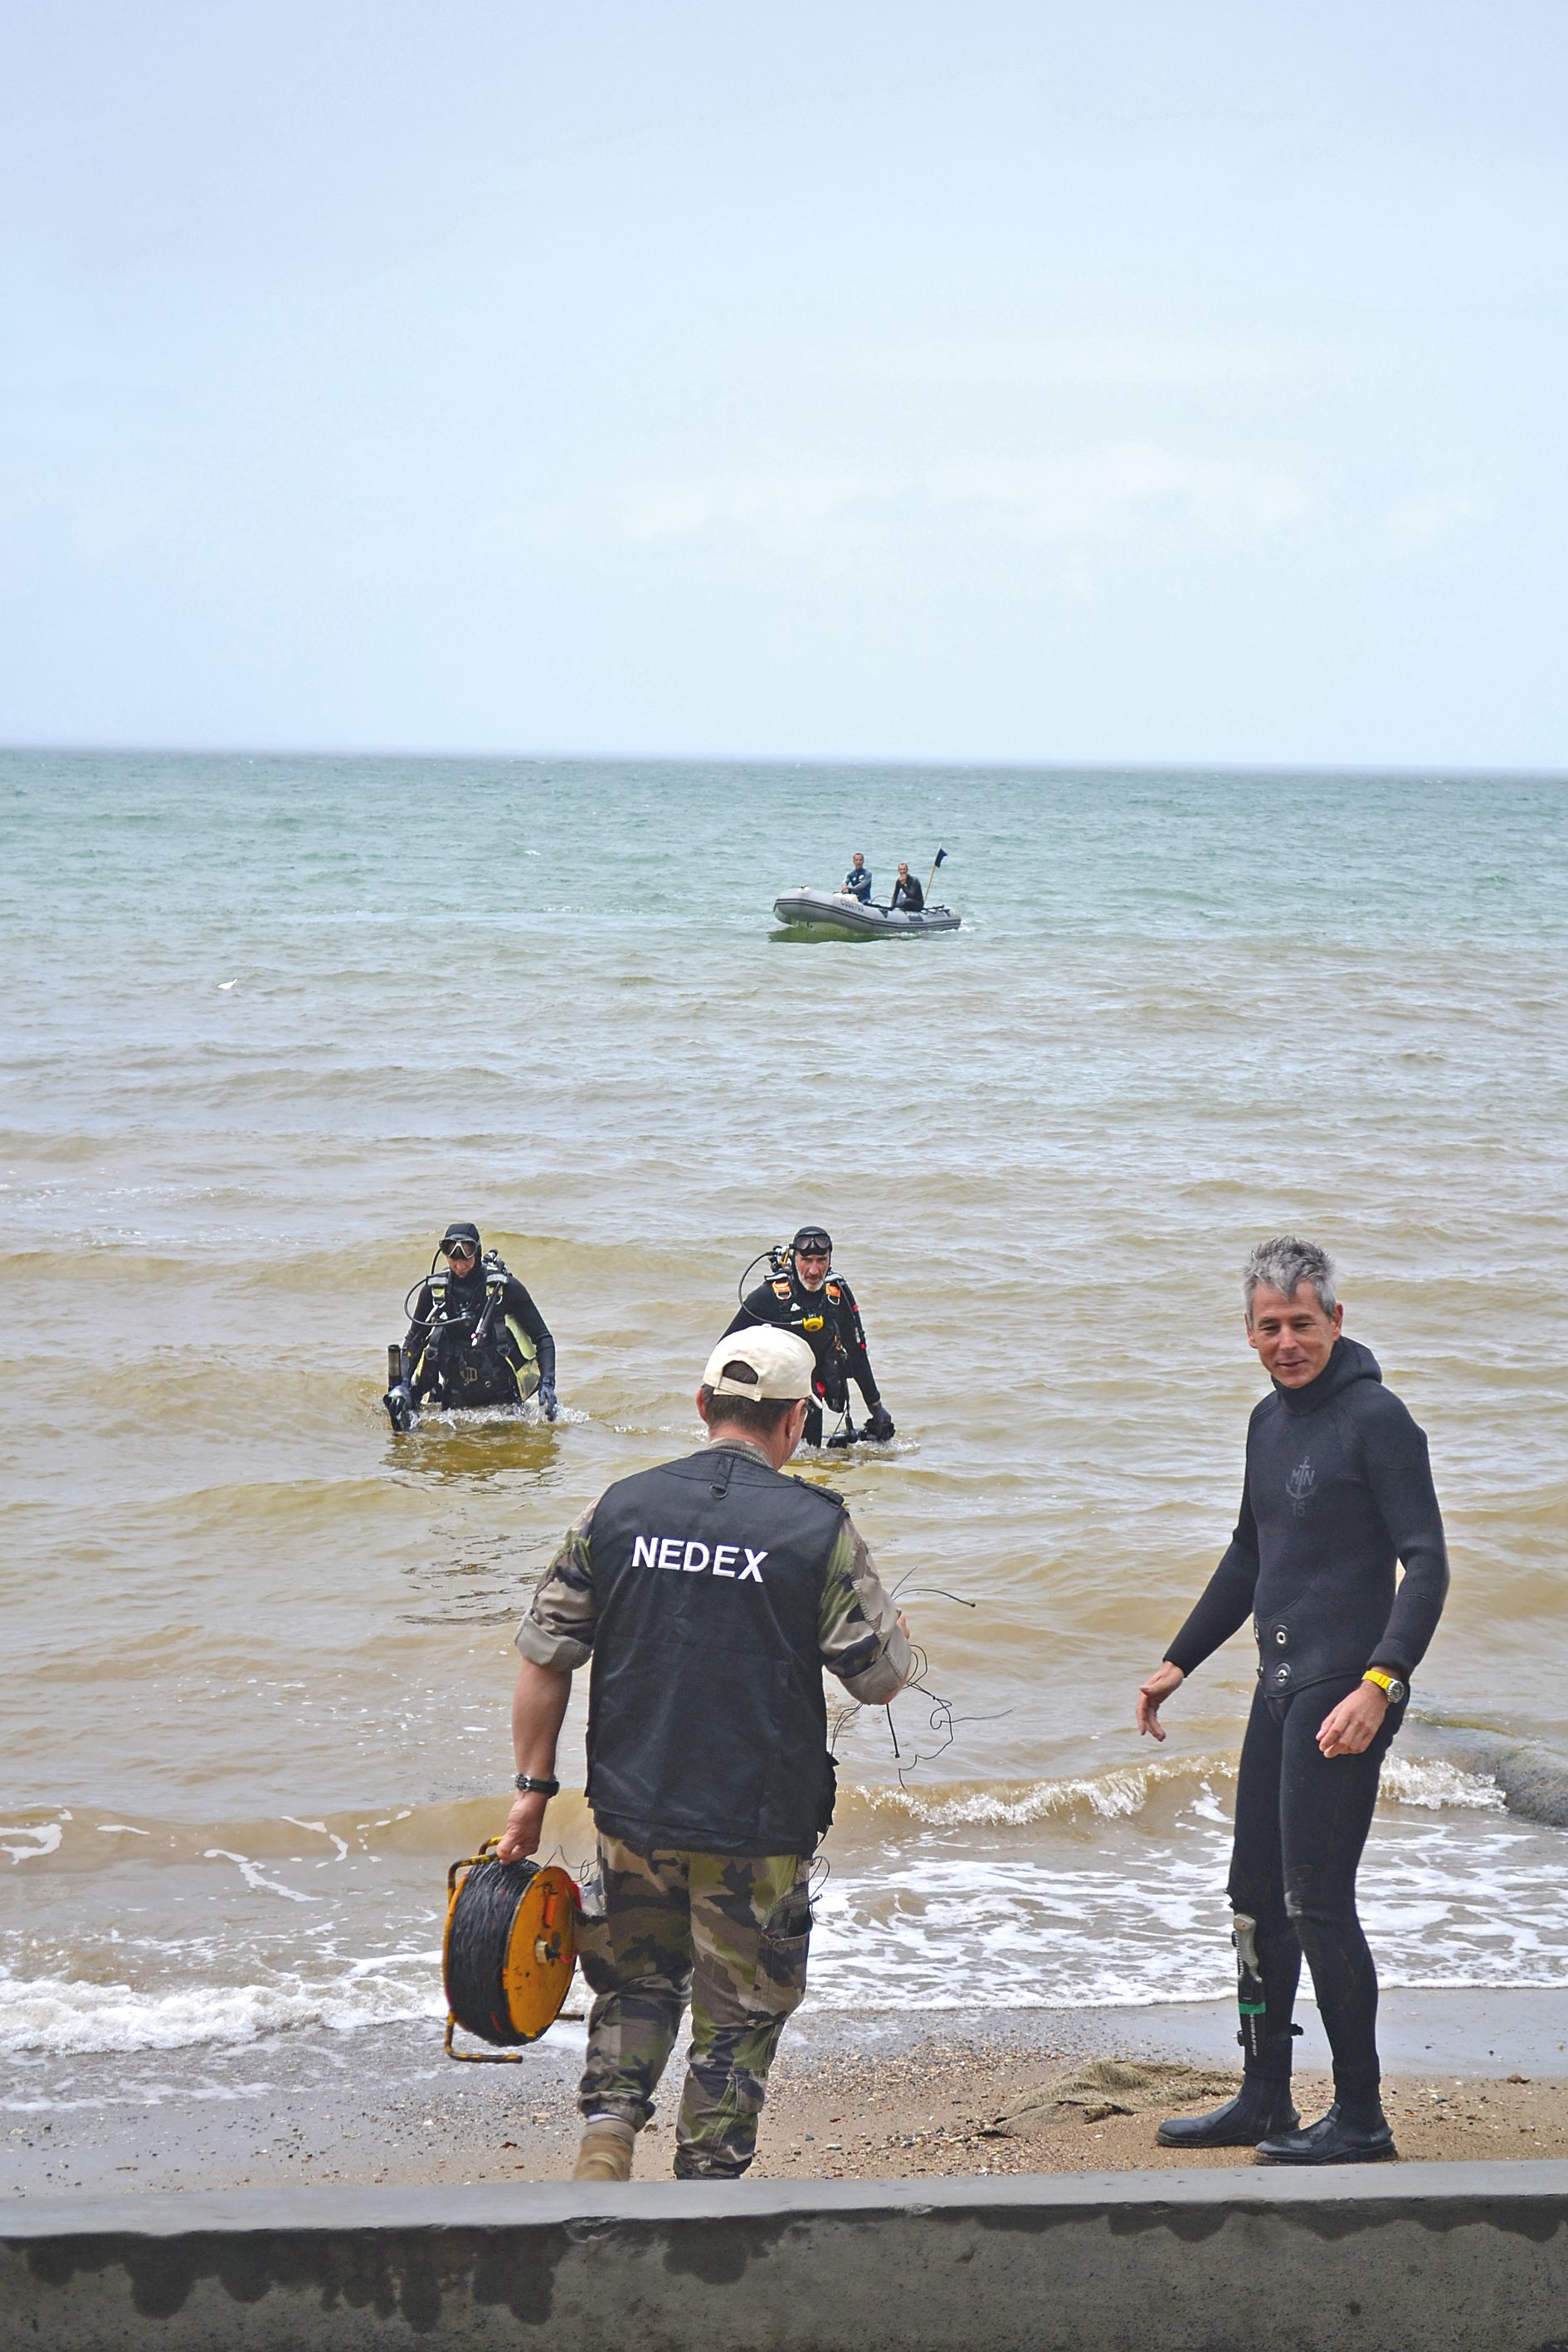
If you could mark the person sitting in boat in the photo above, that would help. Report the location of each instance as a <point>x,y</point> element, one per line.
<point>857,883</point>
<point>909,898</point>
<point>807,1296</point>
<point>477,1338</point>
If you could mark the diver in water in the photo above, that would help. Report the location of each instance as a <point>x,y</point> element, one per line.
<point>476,1336</point>
<point>805,1296</point>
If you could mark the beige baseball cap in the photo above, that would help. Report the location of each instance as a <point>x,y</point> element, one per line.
<point>763,1362</point>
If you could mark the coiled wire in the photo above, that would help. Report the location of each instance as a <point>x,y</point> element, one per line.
<point>477,1942</point>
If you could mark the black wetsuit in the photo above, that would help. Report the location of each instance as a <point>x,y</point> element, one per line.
<point>907,897</point>
<point>828,1321</point>
<point>1338,1486</point>
<point>449,1361</point>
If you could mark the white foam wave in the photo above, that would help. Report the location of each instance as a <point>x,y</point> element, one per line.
<point>1412,1780</point>
<point>1112,1796</point>
<point>254,1875</point>
<point>1125,1792</point>
<point>42,1837</point>
<point>68,2017</point>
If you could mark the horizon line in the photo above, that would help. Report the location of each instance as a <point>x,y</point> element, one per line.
<point>1099,764</point>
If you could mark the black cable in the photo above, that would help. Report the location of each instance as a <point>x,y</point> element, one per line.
<point>741,1285</point>
<point>477,1943</point>
<point>412,1292</point>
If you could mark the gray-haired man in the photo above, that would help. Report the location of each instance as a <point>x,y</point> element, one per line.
<point>1338,1486</point>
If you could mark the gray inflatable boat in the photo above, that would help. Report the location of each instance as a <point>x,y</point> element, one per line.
<point>836,915</point>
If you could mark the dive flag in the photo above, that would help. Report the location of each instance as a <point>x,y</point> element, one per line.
<point>940,856</point>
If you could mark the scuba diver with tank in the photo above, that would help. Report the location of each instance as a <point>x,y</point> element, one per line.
<point>476,1336</point>
<point>803,1295</point>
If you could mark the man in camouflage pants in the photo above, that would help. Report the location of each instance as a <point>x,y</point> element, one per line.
<point>708,1594</point>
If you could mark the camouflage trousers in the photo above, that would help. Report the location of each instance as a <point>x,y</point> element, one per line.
<point>730,1934</point>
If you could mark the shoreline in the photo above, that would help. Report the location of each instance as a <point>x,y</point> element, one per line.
<point>1469,2073</point>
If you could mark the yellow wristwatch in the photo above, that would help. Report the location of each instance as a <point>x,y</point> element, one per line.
<point>1393,1689</point>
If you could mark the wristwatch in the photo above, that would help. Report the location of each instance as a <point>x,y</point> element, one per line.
<point>527,1786</point>
<point>1393,1689</point>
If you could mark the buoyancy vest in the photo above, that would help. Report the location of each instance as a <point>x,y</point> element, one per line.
<point>707,1723</point>
<point>816,1316</point>
<point>501,1368</point>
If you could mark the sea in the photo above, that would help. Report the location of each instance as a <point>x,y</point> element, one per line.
<point>269,1022</point>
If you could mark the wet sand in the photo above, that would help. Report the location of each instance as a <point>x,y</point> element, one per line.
<point>1469,2075</point>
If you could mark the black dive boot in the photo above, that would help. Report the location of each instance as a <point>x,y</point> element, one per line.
<point>1261,2107</point>
<point>1346,2135</point>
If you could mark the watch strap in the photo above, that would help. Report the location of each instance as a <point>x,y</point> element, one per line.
<point>528,1785</point>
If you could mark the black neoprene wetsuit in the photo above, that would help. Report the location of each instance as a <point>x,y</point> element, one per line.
<point>497,1379</point>
<point>909,897</point>
<point>828,1321</point>
<point>1338,1486</point>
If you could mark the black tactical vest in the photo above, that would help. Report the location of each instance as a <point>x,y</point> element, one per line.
<point>707,1724</point>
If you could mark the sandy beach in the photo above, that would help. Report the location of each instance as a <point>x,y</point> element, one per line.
<point>1470,2075</point>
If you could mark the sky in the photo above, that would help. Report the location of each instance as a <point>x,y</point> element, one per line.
<point>1163,381</point>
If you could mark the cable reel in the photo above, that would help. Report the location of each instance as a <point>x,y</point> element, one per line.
<point>509,1952</point>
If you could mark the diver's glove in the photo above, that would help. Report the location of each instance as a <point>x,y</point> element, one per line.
<point>549,1405</point>
<point>399,1405</point>
<point>880,1426</point>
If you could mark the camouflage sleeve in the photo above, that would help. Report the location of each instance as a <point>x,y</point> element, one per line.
<point>558,1631</point>
<point>858,1629</point>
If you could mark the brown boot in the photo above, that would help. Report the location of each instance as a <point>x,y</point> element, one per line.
<point>606,2153</point>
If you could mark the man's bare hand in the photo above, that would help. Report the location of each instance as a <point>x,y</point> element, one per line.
<point>524,1827</point>
<point>1153,1696</point>
<point>1350,1728</point>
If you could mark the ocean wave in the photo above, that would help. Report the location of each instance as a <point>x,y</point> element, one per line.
<point>56,1840</point>
<point>1124,1791</point>
<point>1128,1911</point>
<point>68,2017</point>
<point>1115,1795</point>
<point>1437,1787</point>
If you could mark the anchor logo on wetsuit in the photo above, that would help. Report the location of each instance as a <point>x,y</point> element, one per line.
<point>1299,1485</point>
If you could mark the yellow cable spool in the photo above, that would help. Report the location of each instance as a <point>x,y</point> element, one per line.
<point>509,1952</point>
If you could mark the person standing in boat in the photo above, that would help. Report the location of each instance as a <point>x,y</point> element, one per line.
<point>819,1307</point>
<point>857,883</point>
<point>909,898</point>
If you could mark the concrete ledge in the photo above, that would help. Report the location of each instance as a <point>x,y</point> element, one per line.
<point>1430,2258</point>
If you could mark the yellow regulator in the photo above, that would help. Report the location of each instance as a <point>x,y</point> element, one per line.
<point>509,1952</point>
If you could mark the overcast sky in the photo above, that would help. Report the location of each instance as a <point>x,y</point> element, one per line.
<point>888,378</point>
